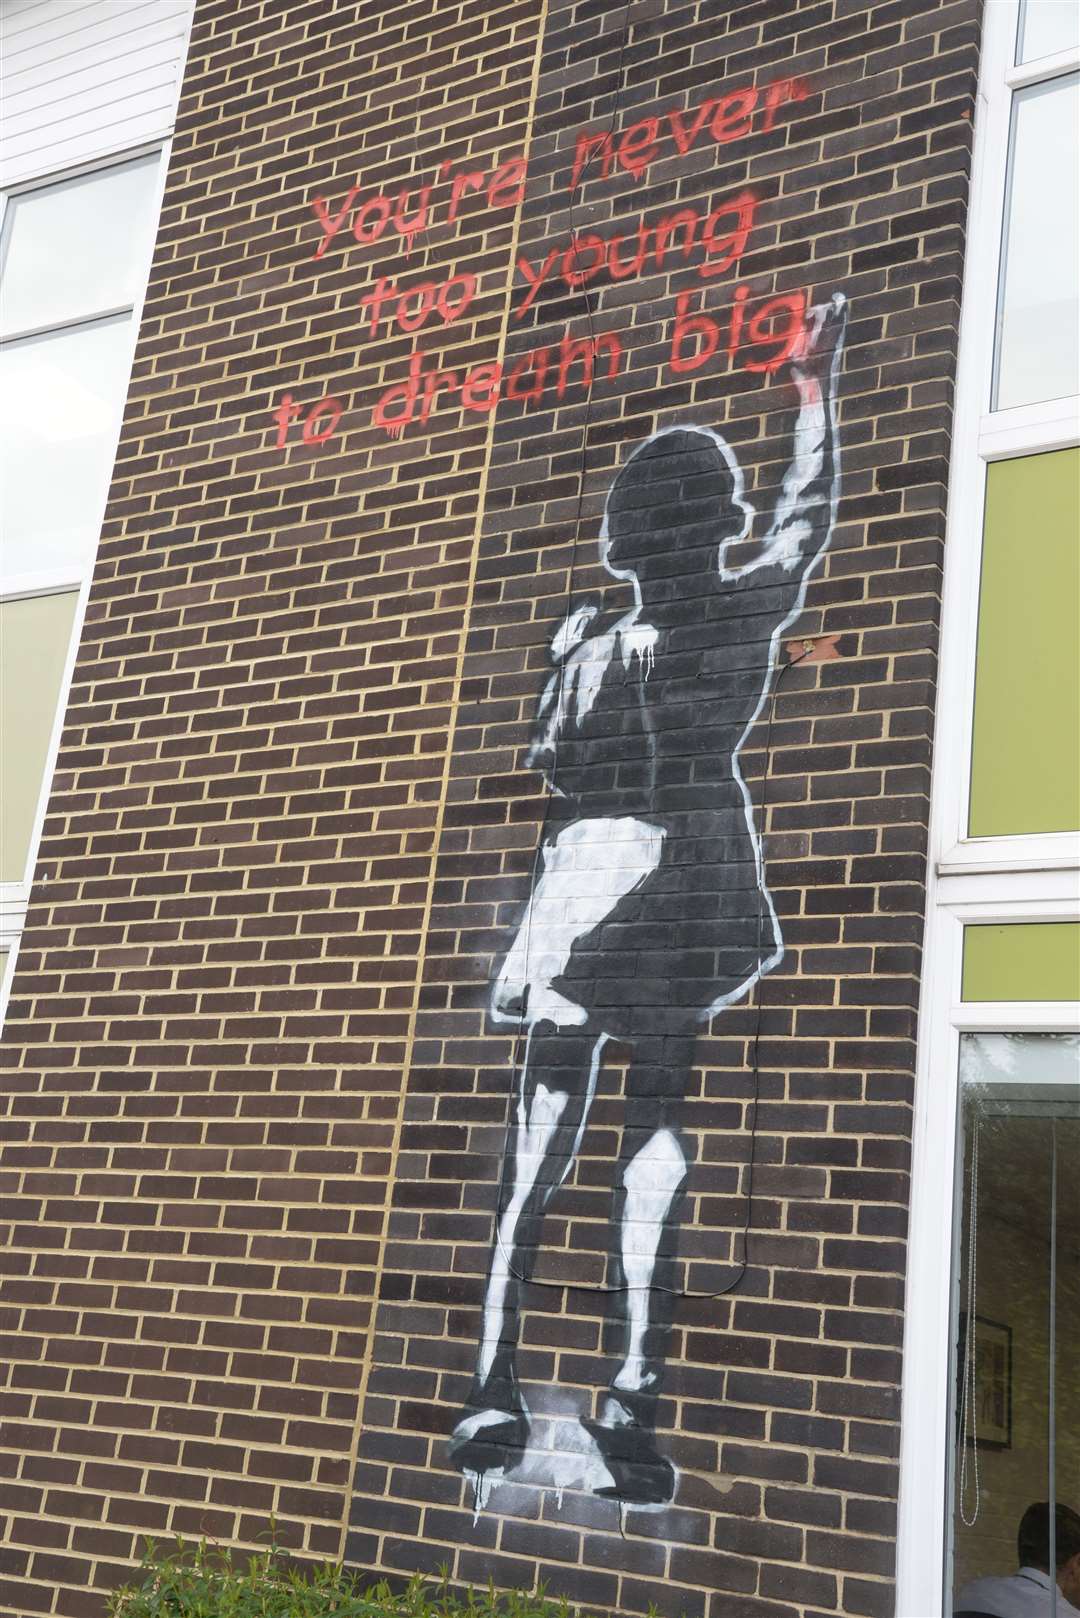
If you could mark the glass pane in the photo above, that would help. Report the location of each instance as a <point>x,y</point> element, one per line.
<point>1025,757</point>
<point>1022,960</point>
<point>34,635</point>
<point>1047,26</point>
<point>59,396</point>
<point>1038,354</point>
<point>1016,1397</point>
<point>76,247</point>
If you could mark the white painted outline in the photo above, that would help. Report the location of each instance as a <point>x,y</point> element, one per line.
<point>809,445</point>
<point>838,303</point>
<point>652,1178</point>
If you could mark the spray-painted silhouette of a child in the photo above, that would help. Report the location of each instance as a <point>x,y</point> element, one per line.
<point>649,911</point>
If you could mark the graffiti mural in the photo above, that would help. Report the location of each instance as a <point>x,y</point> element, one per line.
<point>649,911</point>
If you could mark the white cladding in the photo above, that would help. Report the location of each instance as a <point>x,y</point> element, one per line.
<point>80,79</point>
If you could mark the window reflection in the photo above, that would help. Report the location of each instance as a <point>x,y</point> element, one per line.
<point>1046,27</point>
<point>59,395</point>
<point>1017,1395</point>
<point>76,248</point>
<point>1038,331</point>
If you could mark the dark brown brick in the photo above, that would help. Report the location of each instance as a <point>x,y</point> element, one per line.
<point>253,1104</point>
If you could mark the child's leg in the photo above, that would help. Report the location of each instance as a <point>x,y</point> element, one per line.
<point>557,1085</point>
<point>653,1163</point>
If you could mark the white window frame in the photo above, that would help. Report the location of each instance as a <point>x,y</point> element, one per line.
<point>15,896</point>
<point>997,435</point>
<point>925,1507</point>
<point>984,880</point>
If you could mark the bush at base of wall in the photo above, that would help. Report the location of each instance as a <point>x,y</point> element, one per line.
<point>200,1581</point>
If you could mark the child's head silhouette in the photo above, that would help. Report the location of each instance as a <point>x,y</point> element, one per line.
<point>674,503</point>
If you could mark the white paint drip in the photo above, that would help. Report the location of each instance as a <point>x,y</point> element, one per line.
<point>571,632</point>
<point>637,640</point>
<point>584,664</point>
<point>482,1485</point>
<point>561,1458</point>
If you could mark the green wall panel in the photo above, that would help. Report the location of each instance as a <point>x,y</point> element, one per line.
<point>34,635</point>
<point>1025,766</point>
<point>1022,961</point>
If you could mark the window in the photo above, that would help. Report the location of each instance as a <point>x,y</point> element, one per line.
<point>34,636</point>
<point>1016,1311</point>
<point>1008,718</point>
<point>72,257</point>
<point>60,390</point>
<point>73,261</point>
<point>1036,960</point>
<point>1025,757</point>
<point>1038,346</point>
<point>1046,27</point>
<point>990,1421</point>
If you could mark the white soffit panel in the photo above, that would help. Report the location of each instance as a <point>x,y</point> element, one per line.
<point>80,79</point>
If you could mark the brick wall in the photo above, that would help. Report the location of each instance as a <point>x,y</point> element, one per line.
<point>252,1083</point>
